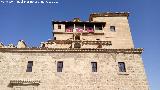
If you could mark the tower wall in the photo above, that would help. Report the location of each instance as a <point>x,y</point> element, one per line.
<point>77,71</point>
<point>121,38</point>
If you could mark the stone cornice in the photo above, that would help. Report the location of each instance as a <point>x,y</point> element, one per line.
<point>71,50</point>
<point>83,42</point>
<point>80,22</point>
<point>83,33</point>
<point>24,81</point>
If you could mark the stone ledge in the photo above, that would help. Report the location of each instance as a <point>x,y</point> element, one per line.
<point>123,73</point>
<point>108,43</point>
<point>71,50</point>
<point>24,81</point>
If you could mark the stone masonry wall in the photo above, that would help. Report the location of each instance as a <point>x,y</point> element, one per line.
<point>77,73</point>
<point>121,38</point>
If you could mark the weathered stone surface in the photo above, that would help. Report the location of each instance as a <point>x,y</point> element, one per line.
<point>77,71</point>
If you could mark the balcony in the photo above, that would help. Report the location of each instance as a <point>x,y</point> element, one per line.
<point>81,27</point>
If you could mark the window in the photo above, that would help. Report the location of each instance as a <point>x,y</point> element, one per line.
<point>122,67</point>
<point>77,45</point>
<point>54,38</point>
<point>29,66</point>
<point>59,66</point>
<point>59,26</point>
<point>94,66</point>
<point>112,28</point>
<point>77,37</point>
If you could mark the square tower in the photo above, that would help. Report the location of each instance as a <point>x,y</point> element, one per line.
<point>103,30</point>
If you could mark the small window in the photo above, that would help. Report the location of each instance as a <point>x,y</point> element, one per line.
<point>59,26</point>
<point>59,66</point>
<point>112,28</point>
<point>77,37</point>
<point>29,66</point>
<point>122,67</point>
<point>77,45</point>
<point>54,38</point>
<point>94,66</point>
<point>97,39</point>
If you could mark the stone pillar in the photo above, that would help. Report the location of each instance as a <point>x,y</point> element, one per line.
<point>94,27</point>
<point>74,28</point>
<point>84,27</point>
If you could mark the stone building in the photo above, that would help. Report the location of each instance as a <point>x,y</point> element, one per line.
<point>98,54</point>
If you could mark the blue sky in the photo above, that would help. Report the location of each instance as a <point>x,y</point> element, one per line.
<point>32,23</point>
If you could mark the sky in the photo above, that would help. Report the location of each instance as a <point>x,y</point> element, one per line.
<point>32,23</point>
